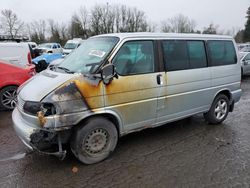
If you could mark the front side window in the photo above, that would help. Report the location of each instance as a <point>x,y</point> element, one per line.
<point>135,57</point>
<point>221,53</point>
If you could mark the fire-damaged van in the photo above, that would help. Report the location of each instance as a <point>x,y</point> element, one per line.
<point>115,84</point>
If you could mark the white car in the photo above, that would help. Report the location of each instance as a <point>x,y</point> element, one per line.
<point>33,45</point>
<point>18,54</point>
<point>245,63</point>
<point>71,45</point>
<point>50,48</point>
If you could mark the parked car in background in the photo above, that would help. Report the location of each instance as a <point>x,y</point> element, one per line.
<point>43,61</point>
<point>18,54</point>
<point>50,48</point>
<point>242,45</point>
<point>33,45</point>
<point>12,76</point>
<point>245,49</point>
<point>71,45</point>
<point>245,63</point>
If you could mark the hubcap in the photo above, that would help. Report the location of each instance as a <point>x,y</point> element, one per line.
<point>220,109</point>
<point>9,98</point>
<point>96,141</point>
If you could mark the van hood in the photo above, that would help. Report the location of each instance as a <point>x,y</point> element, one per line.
<point>42,84</point>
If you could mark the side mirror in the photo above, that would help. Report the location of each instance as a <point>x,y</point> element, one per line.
<point>107,73</point>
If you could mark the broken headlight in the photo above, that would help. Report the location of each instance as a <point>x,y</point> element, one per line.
<point>33,108</point>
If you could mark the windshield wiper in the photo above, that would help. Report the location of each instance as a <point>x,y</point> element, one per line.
<point>66,70</point>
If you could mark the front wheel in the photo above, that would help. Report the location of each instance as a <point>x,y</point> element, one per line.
<point>8,97</point>
<point>218,111</point>
<point>94,141</point>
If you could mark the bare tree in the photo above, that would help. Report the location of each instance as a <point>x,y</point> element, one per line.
<point>130,20</point>
<point>11,25</point>
<point>103,19</point>
<point>179,24</point>
<point>211,29</point>
<point>83,18</point>
<point>37,31</point>
<point>54,31</point>
<point>75,27</point>
<point>96,18</point>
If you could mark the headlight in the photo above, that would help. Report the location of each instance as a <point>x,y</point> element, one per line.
<point>34,107</point>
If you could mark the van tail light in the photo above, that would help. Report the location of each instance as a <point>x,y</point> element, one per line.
<point>29,58</point>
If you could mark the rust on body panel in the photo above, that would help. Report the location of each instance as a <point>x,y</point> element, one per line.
<point>42,120</point>
<point>130,89</point>
<point>133,97</point>
<point>92,94</point>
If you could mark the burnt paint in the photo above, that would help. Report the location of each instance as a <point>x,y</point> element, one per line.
<point>134,97</point>
<point>42,120</point>
<point>92,93</point>
<point>68,91</point>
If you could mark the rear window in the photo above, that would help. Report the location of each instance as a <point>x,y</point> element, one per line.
<point>221,53</point>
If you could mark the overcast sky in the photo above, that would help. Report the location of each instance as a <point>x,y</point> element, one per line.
<point>227,14</point>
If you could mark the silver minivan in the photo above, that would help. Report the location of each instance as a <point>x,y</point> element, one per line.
<point>115,84</point>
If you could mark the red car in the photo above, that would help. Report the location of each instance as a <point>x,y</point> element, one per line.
<point>11,77</point>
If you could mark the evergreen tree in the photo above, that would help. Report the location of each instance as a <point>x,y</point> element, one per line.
<point>246,35</point>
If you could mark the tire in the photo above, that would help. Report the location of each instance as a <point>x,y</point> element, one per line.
<point>8,97</point>
<point>218,111</point>
<point>94,141</point>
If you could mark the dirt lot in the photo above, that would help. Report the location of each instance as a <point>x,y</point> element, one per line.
<point>187,153</point>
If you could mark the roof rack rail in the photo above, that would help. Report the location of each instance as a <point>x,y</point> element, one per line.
<point>18,38</point>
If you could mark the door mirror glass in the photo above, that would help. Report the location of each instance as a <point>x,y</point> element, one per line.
<point>108,72</point>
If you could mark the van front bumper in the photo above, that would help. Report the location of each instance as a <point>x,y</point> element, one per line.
<point>37,139</point>
<point>23,129</point>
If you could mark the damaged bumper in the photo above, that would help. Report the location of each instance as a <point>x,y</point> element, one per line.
<point>42,140</point>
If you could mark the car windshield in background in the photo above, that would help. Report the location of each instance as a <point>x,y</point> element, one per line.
<point>70,46</point>
<point>45,46</point>
<point>245,49</point>
<point>87,58</point>
<point>242,55</point>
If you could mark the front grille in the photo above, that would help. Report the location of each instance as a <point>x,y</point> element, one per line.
<point>20,102</point>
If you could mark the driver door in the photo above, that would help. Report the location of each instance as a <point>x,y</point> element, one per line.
<point>133,96</point>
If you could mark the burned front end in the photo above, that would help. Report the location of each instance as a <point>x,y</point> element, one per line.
<point>46,125</point>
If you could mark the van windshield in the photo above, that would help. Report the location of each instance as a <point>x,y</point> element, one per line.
<point>70,46</point>
<point>45,45</point>
<point>88,57</point>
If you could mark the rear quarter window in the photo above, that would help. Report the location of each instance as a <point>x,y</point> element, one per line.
<point>221,53</point>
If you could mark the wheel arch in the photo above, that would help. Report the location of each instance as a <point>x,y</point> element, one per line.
<point>111,116</point>
<point>225,92</point>
<point>16,85</point>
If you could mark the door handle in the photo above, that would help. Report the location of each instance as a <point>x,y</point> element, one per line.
<point>159,79</point>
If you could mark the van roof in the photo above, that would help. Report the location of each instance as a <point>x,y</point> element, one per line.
<point>166,35</point>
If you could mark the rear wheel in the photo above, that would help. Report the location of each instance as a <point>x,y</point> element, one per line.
<point>218,111</point>
<point>8,97</point>
<point>94,141</point>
